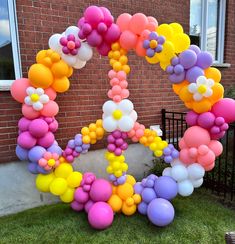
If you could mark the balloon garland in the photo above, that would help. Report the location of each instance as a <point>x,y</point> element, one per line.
<point>196,83</point>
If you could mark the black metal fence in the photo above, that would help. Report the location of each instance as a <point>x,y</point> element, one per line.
<point>221,180</point>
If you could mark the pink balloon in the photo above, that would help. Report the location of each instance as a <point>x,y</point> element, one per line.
<point>112,74</point>
<point>93,15</point>
<point>128,40</point>
<point>38,128</point>
<point>209,166</point>
<point>53,126</point>
<point>182,144</point>
<point>26,140</point>
<point>114,81</point>
<point>121,75</point>
<point>185,157</point>
<point>100,215</point>
<point>23,124</point>
<point>140,51</point>
<point>81,22</point>
<point>225,108</point>
<point>138,23</point>
<point>112,34</point>
<point>96,194</point>
<point>123,21</point>
<point>116,90</point>
<point>203,150</point>
<point>18,89</point>
<point>216,147</point>
<point>123,84</point>
<point>47,140</point>
<point>29,112</point>
<point>50,93</point>
<point>196,136</point>
<point>50,109</point>
<point>125,93</point>
<point>207,159</point>
<point>152,23</point>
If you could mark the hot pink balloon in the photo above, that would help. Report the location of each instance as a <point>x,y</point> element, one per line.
<point>23,124</point>
<point>47,140</point>
<point>112,34</point>
<point>108,18</point>
<point>26,140</point>
<point>93,15</point>
<point>104,49</point>
<point>38,128</point>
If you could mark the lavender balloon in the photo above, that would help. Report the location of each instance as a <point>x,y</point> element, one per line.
<point>193,73</point>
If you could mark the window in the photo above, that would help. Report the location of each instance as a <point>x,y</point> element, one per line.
<point>9,48</point>
<point>207,25</point>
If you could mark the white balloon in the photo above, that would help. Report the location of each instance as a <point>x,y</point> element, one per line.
<point>72,30</point>
<point>208,92</point>
<point>109,107</point>
<point>167,171</point>
<point>54,43</point>
<point>85,52</point>
<point>185,188</point>
<point>134,115</point>
<point>192,87</point>
<point>125,123</point>
<point>79,64</point>
<point>197,97</point>
<point>197,183</point>
<point>201,80</point>
<point>195,171</point>
<point>109,124</point>
<point>38,106</point>
<point>126,106</point>
<point>210,82</point>
<point>30,90</point>
<point>69,59</point>
<point>39,91</point>
<point>44,98</point>
<point>176,161</point>
<point>28,101</point>
<point>179,173</point>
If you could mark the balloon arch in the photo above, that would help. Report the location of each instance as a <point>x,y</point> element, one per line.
<point>196,83</point>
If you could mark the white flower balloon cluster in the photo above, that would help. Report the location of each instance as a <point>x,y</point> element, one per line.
<point>187,177</point>
<point>74,51</point>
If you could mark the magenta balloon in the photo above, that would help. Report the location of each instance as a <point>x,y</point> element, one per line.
<point>102,28</point>
<point>119,142</point>
<point>53,126</point>
<point>206,120</point>
<point>47,140</point>
<point>188,59</point>
<point>104,49</point>
<point>96,194</point>
<point>93,15</point>
<point>94,39</point>
<point>26,140</point>
<point>108,18</point>
<point>117,134</point>
<point>191,118</point>
<point>23,124</point>
<point>204,60</point>
<point>38,128</point>
<point>111,147</point>
<point>112,34</point>
<point>76,206</point>
<point>118,151</point>
<point>225,108</point>
<point>81,22</point>
<point>193,73</point>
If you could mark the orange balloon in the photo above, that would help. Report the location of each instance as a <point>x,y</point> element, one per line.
<point>41,55</point>
<point>70,71</point>
<point>40,76</point>
<point>202,106</point>
<point>50,109</point>
<point>218,92</point>
<point>178,87</point>
<point>185,95</point>
<point>61,84</point>
<point>60,69</point>
<point>213,73</point>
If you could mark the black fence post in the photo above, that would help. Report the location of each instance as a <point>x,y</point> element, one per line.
<point>163,111</point>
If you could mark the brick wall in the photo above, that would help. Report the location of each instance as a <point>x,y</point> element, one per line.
<point>149,88</point>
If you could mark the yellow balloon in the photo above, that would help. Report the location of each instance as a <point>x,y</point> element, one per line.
<point>137,198</point>
<point>86,139</point>
<point>165,30</point>
<point>164,65</point>
<point>168,52</point>
<point>58,186</point>
<point>63,170</point>
<point>130,201</point>
<point>117,66</point>
<point>130,179</point>
<point>118,173</point>
<point>153,60</point>
<point>115,203</point>
<point>158,153</point>
<point>126,68</point>
<point>74,179</point>
<point>124,166</point>
<point>128,210</point>
<point>181,42</point>
<point>68,195</point>
<point>85,131</point>
<point>177,28</point>
<point>125,190</point>
<point>43,182</point>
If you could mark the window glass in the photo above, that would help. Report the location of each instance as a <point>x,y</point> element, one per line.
<point>6,56</point>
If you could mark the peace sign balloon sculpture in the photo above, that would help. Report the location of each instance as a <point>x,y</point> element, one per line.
<point>196,83</point>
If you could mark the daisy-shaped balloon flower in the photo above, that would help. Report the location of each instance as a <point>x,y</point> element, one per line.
<point>119,116</point>
<point>36,98</point>
<point>49,161</point>
<point>202,88</point>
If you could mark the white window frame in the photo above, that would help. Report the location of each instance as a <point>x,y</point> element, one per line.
<point>221,29</point>
<point>5,85</point>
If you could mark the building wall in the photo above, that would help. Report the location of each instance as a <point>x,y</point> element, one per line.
<point>149,87</point>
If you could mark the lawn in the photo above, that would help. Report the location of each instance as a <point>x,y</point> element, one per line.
<point>199,219</point>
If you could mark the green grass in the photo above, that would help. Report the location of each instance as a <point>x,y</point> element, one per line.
<point>199,219</point>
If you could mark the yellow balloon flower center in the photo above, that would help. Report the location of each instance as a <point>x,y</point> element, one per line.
<point>51,162</point>
<point>153,44</point>
<point>117,114</point>
<point>34,97</point>
<point>201,89</point>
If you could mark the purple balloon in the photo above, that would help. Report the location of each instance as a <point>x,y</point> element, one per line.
<point>71,144</point>
<point>36,153</point>
<point>174,78</point>
<point>42,170</point>
<point>153,35</point>
<point>204,60</point>
<point>148,194</point>
<point>159,48</point>
<point>193,73</point>
<point>81,22</point>
<point>195,48</point>
<point>170,69</point>
<point>112,177</point>
<point>124,146</point>
<point>152,177</point>
<point>85,146</point>
<point>119,142</point>
<point>142,208</point>
<point>21,153</point>
<point>188,59</point>
<point>94,39</point>
<point>191,118</point>
<point>161,40</point>
<point>55,149</point>
<point>110,139</point>
<point>168,159</point>
<point>165,187</point>
<point>138,188</point>
<point>146,44</point>
<point>178,69</point>
<point>167,151</point>
<point>118,151</point>
<point>219,121</point>
<point>215,130</point>
<point>121,180</point>
<point>32,168</point>
<point>150,52</point>
<point>206,120</point>
<point>175,61</point>
<point>160,212</point>
<point>175,153</point>
<point>78,149</point>
<point>149,183</point>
